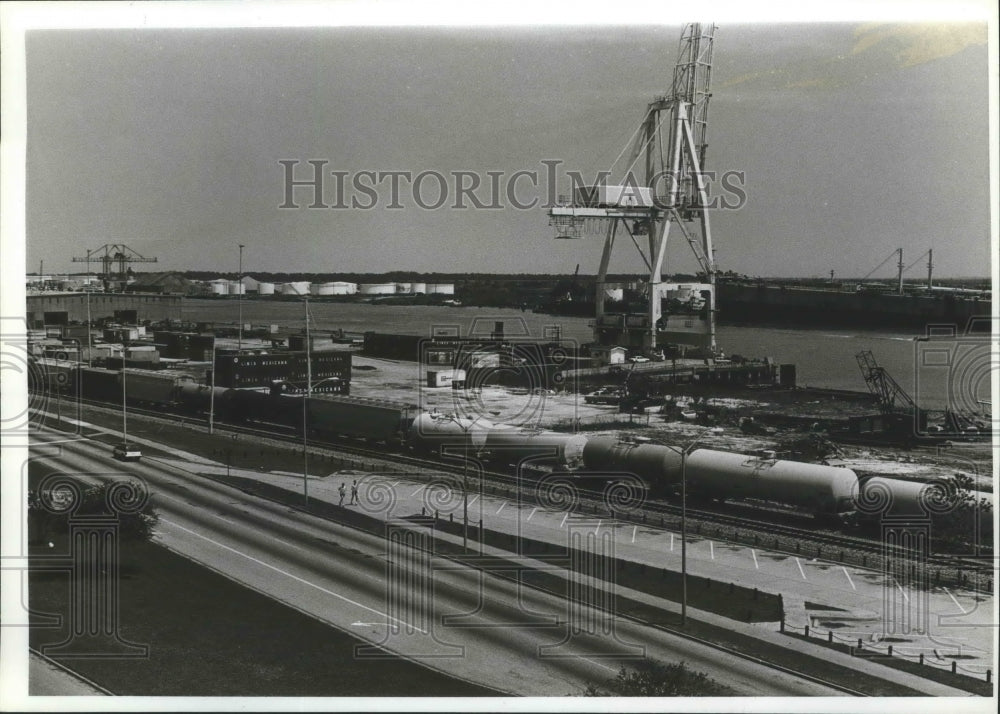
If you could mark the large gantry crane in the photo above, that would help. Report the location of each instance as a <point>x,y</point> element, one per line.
<point>671,143</point>
<point>109,255</point>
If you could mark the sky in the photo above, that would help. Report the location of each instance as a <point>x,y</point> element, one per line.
<point>853,138</point>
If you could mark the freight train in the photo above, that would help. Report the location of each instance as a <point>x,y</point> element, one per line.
<point>823,491</point>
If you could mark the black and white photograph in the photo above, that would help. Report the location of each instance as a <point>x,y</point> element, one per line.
<point>374,355</point>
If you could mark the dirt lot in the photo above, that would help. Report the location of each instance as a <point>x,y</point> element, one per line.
<point>406,381</point>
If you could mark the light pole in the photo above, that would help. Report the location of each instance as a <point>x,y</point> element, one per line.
<point>465,478</point>
<point>90,344</point>
<point>684,454</point>
<point>239,300</point>
<point>211,393</point>
<point>305,402</point>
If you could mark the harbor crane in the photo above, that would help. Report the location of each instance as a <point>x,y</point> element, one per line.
<point>670,146</point>
<point>898,407</point>
<point>111,254</point>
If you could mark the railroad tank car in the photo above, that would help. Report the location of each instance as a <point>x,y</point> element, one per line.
<point>510,445</point>
<point>436,433</point>
<point>658,466</point>
<point>374,420</point>
<point>877,497</point>
<point>826,490</point>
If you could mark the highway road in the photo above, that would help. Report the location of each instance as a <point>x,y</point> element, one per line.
<point>503,637</point>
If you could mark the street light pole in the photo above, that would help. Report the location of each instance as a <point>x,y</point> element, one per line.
<point>211,394</point>
<point>90,344</point>
<point>684,568</point>
<point>305,401</point>
<point>239,300</point>
<point>684,455</point>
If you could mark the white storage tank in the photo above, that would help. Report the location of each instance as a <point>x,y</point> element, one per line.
<point>237,288</point>
<point>265,288</point>
<point>300,287</point>
<point>441,288</point>
<point>419,288</point>
<point>377,288</point>
<point>321,289</point>
<point>342,288</point>
<point>404,288</point>
<point>219,287</point>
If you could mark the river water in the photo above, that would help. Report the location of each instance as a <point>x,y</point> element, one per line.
<point>823,357</point>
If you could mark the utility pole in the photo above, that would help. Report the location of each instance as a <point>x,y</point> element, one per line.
<point>901,269</point>
<point>930,268</point>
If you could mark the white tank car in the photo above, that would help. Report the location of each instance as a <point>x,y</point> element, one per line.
<point>510,445</point>
<point>723,475</point>
<point>658,466</point>
<point>878,497</point>
<point>448,434</point>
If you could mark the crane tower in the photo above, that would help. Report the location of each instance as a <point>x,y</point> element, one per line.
<point>109,255</point>
<point>669,150</point>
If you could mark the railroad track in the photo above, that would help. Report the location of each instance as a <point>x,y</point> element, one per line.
<point>769,532</point>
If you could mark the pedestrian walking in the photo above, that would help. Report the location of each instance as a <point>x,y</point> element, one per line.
<point>343,492</point>
<point>354,492</point>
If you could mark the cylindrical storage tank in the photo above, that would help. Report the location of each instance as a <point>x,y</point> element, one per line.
<point>297,288</point>
<point>419,288</point>
<point>658,466</point>
<point>441,288</point>
<point>723,475</point>
<point>321,289</point>
<point>237,288</point>
<point>515,446</point>
<point>377,288</point>
<point>265,288</point>
<point>221,288</point>
<point>341,288</point>
<point>441,433</point>
<point>404,288</point>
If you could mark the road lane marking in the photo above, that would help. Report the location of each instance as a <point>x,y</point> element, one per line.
<point>418,490</point>
<point>755,563</point>
<point>598,529</point>
<point>848,577</point>
<point>610,669</point>
<point>905,596</point>
<point>964,612</point>
<point>532,513</point>
<point>565,516</point>
<point>634,529</point>
<point>291,575</point>
<point>671,541</point>
<point>711,549</point>
<point>474,499</point>
<point>799,563</point>
<point>501,507</point>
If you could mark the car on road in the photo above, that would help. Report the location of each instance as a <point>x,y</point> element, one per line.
<point>127,452</point>
<point>638,359</point>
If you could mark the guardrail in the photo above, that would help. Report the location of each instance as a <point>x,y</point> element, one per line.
<point>876,648</point>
